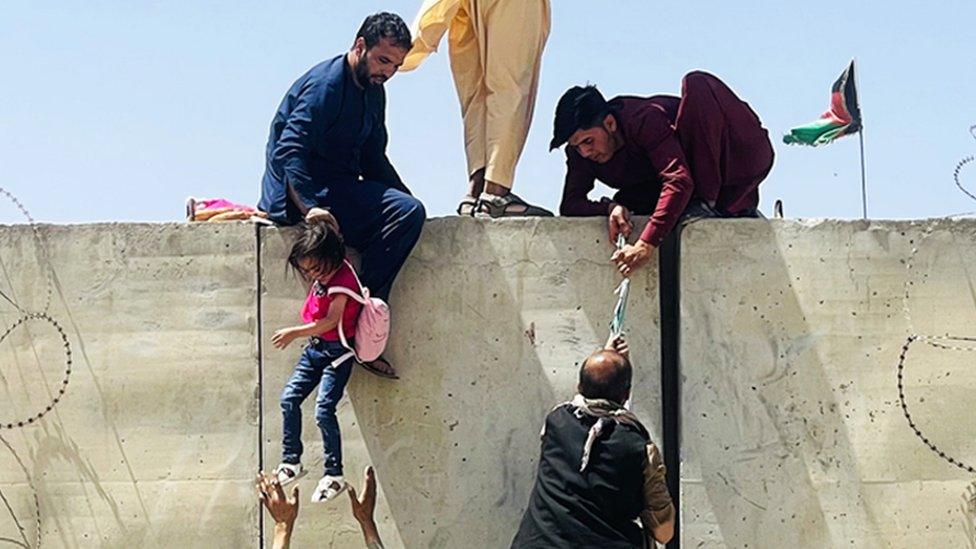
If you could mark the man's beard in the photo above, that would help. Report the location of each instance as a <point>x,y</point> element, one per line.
<point>363,76</point>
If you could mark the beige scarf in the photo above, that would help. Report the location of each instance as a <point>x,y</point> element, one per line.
<point>605,411</point>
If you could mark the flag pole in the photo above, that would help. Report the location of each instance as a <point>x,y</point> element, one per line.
<point>860,134</point>
<point>864,191</point>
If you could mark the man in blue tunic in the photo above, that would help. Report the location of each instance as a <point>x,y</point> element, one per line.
<point>327,149</point>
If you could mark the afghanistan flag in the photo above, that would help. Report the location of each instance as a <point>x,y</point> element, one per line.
<point>843,118</point>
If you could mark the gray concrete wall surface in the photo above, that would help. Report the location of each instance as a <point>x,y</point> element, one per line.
<point>156,439</point>
<point>792,429</point>
<point>154,442</point>
<point>793,433</point>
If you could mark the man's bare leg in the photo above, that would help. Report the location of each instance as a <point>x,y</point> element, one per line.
<point>476,185</point>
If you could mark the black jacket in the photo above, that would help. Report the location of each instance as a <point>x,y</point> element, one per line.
<point>597,508</point>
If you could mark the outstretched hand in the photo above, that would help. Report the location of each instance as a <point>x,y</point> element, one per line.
<point>364,504</point>
<point>363,507</point>
<point>283,509</point>
<point>282,338</point>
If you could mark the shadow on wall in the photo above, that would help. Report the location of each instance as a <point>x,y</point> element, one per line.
<point>456,438</point>
<point>491,323</point>
<point>752,383</point>
<point>35,377</point>
<point>792,433</point>
<point>153,442</point>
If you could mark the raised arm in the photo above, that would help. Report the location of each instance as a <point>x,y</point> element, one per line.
<point>660,143</point>
<point>362,509</point>
<point>283,509</point>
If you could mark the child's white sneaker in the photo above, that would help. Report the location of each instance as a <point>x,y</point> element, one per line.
<point>329,487</point>
<point>287,473</point>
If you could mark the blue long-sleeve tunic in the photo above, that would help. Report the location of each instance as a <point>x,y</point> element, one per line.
<point>328,131</point>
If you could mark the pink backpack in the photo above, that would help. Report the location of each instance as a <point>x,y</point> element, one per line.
<point>372,327</point>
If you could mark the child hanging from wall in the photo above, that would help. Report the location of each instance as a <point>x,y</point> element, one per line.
<point>319,257</point>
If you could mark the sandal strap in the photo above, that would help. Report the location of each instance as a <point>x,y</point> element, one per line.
<point>499,206</point>
<point>467,201</point>
<point>285,474</point>
<point>332,489</point>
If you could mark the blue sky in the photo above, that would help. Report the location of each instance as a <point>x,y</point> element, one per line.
<point>113,110</point>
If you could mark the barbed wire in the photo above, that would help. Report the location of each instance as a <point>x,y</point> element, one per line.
<point>962,164</point>
<point>67,372</point>
<point>945,342</point>
<point>40,251</point>
<point>27,316</point>
<point>904,404</point>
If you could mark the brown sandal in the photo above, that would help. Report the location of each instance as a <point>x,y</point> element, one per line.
<point>388,372</point>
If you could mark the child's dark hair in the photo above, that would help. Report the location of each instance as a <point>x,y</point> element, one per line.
<point>321,243</point>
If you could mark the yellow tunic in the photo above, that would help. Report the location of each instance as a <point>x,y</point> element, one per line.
<point>495,50</point>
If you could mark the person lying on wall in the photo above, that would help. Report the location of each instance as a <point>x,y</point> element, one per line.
<point>327,149</point>
<point>702,154</point>
<point>598,471</point>
<point>284,508</point>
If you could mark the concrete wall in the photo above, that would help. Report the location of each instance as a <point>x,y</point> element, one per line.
<point>792,427</point>
<point>793,434</point>
<point>155,440</point>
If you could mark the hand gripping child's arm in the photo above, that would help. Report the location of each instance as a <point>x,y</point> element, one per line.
<point>333,316</point>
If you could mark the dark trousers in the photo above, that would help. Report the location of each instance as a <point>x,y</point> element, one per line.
<point>727,149</point>
<point>314,369</point>
<point>725,145</point>
<point>381,223</point>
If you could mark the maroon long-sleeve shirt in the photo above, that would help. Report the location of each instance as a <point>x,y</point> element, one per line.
<point>651,157</point>
<point>708,144</point>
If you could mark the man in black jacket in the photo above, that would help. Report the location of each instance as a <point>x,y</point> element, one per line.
<point>599,470</point>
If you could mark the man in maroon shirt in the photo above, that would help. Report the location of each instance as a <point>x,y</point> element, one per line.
<point>703,155</point>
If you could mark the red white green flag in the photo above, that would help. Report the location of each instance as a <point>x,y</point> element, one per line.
<point>843,117</point>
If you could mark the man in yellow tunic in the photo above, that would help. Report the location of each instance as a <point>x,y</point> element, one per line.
<point>495,51</point>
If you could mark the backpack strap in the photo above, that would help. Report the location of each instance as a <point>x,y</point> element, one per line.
<point>351,353</point>
<point>347,292</point>
<point>362,289</point>
<point>345,343</point>
<point>361,299</point>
